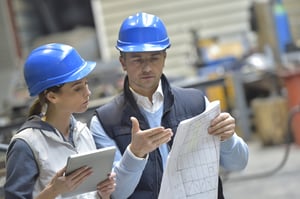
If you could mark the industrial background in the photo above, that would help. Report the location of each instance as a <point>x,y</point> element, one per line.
<point>244,53</point>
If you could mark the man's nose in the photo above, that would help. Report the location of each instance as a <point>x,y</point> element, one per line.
<point>146,65</point>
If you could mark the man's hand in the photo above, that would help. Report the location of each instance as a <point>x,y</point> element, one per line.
<point>223,125</point>
<point>146,141</point>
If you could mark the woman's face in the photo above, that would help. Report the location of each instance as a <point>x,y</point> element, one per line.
<point>72,97</point>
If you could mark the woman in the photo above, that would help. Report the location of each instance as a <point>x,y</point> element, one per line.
<point>37,154</point>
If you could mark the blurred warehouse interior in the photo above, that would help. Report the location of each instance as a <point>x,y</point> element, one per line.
<point>232,49</point>
<point>242,52</point>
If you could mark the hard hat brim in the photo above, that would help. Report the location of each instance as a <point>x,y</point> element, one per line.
<point>82,72</point>
<point>142,48</point>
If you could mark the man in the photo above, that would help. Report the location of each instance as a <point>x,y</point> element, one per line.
<point>143,119</point>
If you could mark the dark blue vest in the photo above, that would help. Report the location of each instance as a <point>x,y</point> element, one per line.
<point>179,104</point>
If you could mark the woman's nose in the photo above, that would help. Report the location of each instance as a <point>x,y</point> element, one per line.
<point>87,91</point>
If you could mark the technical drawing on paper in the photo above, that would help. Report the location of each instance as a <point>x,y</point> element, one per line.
<point>193,165</point>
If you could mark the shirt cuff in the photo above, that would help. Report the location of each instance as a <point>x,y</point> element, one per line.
<point>228,144</point>
<point>134,156</point>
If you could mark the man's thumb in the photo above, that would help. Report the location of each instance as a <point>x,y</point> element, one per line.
<point>135,125</point>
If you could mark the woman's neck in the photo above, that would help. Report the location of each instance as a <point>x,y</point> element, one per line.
<point>61,123</point>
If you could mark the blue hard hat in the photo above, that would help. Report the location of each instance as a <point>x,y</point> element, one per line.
<point>142,33</point>
<point>54,64</point>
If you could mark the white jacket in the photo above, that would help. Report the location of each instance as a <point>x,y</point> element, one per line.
<point>51,152</point>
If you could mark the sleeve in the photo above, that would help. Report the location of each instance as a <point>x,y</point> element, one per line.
<point>128,168</point>
<point>234,154</point>
<point>21,171</point>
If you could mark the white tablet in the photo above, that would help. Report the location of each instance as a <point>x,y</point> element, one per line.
<point>100,160</point>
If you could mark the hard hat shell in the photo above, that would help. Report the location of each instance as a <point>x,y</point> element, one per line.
<point>54,64</point>
<point>142,32</point>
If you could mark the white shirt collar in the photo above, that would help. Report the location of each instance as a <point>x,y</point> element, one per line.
<point>145,103</point>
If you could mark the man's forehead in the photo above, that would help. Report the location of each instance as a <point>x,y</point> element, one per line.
<point>143,54</point>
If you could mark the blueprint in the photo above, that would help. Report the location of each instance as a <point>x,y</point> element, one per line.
<point>193,164</point>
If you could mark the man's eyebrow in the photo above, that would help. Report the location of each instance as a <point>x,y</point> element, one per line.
<point>135,55</point>
<point>156,53</point>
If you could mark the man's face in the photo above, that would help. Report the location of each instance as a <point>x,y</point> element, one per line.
<point>144,70</point>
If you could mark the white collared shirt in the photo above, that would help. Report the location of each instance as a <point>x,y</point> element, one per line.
<point>145,103</point>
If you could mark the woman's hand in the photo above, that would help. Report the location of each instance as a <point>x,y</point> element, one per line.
<point>62,184</point>
<point>106,187</point>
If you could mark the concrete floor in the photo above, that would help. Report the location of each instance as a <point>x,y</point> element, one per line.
<point>258,181</point>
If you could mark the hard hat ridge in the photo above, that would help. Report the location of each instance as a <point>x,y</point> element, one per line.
<point>142,32</point>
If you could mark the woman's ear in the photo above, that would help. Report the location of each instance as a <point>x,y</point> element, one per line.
<point>51,97</point>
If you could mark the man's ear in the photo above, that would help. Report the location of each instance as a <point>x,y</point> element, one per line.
<point>165,54</point>
<point>122,61</point>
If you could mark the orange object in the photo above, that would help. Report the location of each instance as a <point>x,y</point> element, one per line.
<point>292,84</point>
